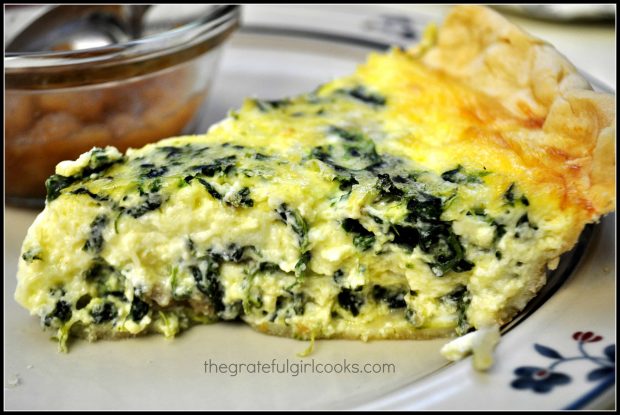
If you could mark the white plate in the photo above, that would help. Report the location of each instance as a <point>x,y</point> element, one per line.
<point>154,373</point>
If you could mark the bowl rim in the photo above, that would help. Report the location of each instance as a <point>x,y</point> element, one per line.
<point>61,69</point>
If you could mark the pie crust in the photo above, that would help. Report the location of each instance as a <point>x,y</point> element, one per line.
<point>535,82</point>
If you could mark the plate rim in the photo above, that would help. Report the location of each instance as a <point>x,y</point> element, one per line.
<point>582,401</point>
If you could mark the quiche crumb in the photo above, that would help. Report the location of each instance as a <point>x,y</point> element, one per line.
<point>480,343</point>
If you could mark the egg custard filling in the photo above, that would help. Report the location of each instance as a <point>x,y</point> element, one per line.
<point>398,202</point>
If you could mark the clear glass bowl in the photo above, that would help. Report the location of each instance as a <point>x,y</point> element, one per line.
<point>61,104</point>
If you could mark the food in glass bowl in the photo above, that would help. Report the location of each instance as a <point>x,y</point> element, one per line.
<point>61,104</point>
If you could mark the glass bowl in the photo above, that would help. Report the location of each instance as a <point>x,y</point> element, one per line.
<point>60,104</point>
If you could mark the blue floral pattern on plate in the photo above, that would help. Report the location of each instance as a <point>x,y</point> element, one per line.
<point>545,379</point>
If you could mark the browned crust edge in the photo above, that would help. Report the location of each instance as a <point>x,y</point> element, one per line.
<point>533,80</point>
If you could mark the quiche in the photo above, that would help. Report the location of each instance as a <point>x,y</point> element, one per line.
<point>424,195</point>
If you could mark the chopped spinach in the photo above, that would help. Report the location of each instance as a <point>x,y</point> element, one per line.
<point>289,304</point>
<point>235,146</point>
<point>210,189</point>
<point>102,313</point>
<point>62,311</point>
<point>269,105</point>
<point>477,211</point>
<point>301,267</point>
<point>98,163</point>
<point>323,153</point>
<point>231,311</point>
<point>171,151</point>
<point>95,196</point>
<point>338,276</point>
<point>207,282</point>
<point>422,225</point>
<point>500,230</point>
<point>117,294</point>
<point>350,300</point>
<point>254,268</point>
<point>241,198</point>
<point>512,195</point>
<point>155,186</point>
<point>407,236</point>
<point>253,300</point>
<point>412,317</point>
<point>361,93</point>
<point>403,179</point>
<point>83,301</point>
<point>94,243</point>
<point>56,183</point>
<point>232,253</point>
<point>461,298</point>
<point>33,254</point>
<point>363,242</point>
<point>365,151</point>
<point>220,166</point>
<point>291,217</point>
<point>425,207</point>
<point>376,219</point>
<point>353,151</point>
<point>261,156</point>
<point>150,201</point>
<point>394,298</point>
<point>345,134</point>
<point>460,176</point>
<point>153,171</point>
<point>268,267</point>
<point>346,182</point>
<point>509,195</point>
<point>191,246</point>
<point>356,152</point>
<point>299,303</point>
<point>439,240</point>
<point>387,188</point>
<point>525,220</point>
<point>463,265</point>
<point>99,270</point>
<point>280,302</point>
<point>363,239</point>
<point>139,308</point>
<point>344,159</point>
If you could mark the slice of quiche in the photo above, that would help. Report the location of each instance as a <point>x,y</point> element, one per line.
<point>424,195</point>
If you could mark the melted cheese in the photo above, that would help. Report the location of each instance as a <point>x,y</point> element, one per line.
<point>393,203</point>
